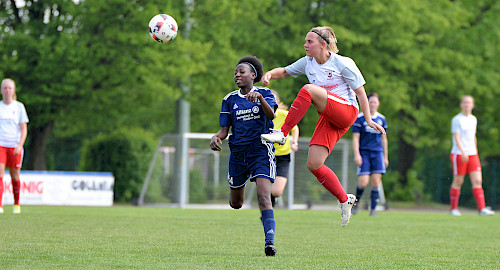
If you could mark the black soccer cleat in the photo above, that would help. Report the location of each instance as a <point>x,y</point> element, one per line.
<point>355,208</point>
<point>273,201</point>
<point>270,250</point>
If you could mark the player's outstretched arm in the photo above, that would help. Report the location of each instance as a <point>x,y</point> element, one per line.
<point>385,146</point>
<point>274,74</point>
<point>216,141</point>
<point>355,148</point>
<point>363,102</point>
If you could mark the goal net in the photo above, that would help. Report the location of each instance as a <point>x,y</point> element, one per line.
<point>186,173</point>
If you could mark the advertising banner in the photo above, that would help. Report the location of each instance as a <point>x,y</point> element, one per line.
<point>61,188</point>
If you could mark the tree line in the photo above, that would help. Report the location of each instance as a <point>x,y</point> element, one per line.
<point>89,67</point>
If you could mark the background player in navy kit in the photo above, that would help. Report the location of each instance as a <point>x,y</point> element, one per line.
<point>370,153</point>
<point>249,111</point>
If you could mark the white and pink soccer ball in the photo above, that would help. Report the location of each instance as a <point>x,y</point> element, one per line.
<point>163,28</point>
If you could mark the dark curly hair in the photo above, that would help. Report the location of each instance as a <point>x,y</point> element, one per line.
<point>253,62</point>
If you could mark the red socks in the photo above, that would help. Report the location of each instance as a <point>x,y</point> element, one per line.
<point>454,196</point>
<point>1,191</point>
<point>331,182</point>
<point>298,109</point>
<point>479,196</point>
<point>16,188</point>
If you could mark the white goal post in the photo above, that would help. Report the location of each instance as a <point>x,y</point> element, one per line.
<point>191,177</point>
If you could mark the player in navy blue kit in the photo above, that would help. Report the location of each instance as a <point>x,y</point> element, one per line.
<point>370,152</point>
<point>249,112</point>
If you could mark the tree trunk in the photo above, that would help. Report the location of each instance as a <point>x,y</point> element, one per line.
<point>406,157</point>
<point>39,137</point>
<point>406,151</point>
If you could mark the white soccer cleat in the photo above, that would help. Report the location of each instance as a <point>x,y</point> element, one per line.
<point>455,212</point>
<point>275,136</point>
<point>17,209</point>
<point>486,212</point>
<point>1,210</point>
<point>346,209</point>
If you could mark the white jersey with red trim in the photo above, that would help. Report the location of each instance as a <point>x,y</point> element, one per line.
<point>11,116</point>
<point>339,75</point>
<point>466,126</point>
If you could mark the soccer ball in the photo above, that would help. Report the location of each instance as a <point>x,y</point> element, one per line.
<point>163,28</point>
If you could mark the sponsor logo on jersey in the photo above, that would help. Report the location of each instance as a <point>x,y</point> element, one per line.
<point>330,87</point>
<point>240,112</point>
<point>248,114</point>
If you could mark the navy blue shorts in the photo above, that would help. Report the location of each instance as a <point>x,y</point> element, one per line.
<point>250,162</point>
<point>373,162</point>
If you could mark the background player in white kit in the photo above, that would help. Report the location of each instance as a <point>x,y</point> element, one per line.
<point>13,132</point>
<point>465,159</point>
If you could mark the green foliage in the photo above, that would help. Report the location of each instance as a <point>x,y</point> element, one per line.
<point>197,187</point>
<point>90,66</point>
<point>124,153</point>
<point>412,191</point>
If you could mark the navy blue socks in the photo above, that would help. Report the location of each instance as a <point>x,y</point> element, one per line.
<point>359,192</point>
<point>374,198</point>
<point>269,224</point>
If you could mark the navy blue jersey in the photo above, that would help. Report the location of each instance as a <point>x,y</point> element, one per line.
<point>247,120</point>
<point>369,139</point>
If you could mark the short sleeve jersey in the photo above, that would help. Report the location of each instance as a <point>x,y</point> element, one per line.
<point>339,75</point>
<point>246,119</point>
<point>369,138</point>
<point>11,116</point>
<point>466,126</point>
<point>279,120</point>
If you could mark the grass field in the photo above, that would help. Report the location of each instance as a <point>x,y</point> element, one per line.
<point>124,237</point>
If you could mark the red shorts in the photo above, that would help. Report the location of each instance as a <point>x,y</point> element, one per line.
<point>8,158</point>
<point>461,168</point>
<point>334,122</point>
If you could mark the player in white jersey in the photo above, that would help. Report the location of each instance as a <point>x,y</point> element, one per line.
<point>464,158</point>
<point>335,81</point>
<point>13,132</point>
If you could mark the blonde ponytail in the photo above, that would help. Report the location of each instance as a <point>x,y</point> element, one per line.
<point>326,33</point>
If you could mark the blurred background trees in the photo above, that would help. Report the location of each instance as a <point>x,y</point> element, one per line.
<point>89,67</point>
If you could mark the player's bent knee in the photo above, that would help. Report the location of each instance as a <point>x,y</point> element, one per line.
<point>312,166</point>
<point>307,86</point>
<point>313,89</point>
<point>237,205</point>
<point>277,193</point>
